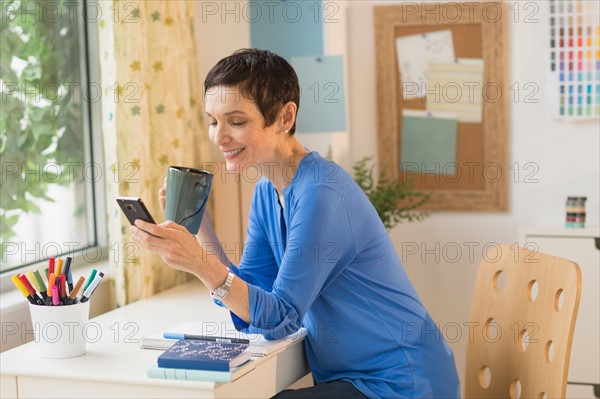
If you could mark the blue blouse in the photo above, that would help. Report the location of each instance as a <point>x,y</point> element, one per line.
<point>326,262</point>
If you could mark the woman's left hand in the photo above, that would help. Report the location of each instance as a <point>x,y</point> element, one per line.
<point>173,243</point>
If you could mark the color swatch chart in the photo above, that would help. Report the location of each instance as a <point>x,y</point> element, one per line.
<point>575,58</point>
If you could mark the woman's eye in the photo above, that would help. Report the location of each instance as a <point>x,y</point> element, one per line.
<point>238,123</point>
<point>212,124</point>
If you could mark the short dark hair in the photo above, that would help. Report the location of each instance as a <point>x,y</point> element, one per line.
<point>263,76</point>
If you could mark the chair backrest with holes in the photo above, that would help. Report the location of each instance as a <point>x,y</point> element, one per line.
<point>522,321</point>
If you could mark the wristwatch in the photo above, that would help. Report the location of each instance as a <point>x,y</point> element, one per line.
<point>223,290</point>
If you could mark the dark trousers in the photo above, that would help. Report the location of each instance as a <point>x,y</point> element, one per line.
<point>327,390</point>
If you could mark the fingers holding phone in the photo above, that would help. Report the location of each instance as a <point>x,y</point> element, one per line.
<point>175,245</point>
<point>162,196</point>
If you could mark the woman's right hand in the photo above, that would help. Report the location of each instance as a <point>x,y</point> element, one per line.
<point>162,196</point>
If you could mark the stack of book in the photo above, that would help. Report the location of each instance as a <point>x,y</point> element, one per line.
<point>192,359</point>
<point>190,355</point>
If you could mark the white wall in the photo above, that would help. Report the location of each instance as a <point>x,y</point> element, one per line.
<point>566,156</point>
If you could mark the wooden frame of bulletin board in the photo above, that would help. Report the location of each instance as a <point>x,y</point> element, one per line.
<point>477,177</point>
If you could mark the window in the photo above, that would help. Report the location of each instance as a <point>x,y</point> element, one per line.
<point>51,199</point>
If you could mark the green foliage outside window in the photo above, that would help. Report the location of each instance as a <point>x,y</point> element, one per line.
<point>41,137</point>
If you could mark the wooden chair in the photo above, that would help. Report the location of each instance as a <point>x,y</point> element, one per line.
<point>522,321</point>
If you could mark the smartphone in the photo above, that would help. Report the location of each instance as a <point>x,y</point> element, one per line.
<point>135,209</point>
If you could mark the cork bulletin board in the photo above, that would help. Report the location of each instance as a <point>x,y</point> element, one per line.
<point>441,101</point>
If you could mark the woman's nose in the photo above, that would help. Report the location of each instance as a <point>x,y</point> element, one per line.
<point>220,135</point>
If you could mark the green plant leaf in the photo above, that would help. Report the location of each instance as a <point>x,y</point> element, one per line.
<point>53,61</point>
<point>389,197</point>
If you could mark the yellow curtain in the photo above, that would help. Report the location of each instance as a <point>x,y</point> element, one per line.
<point>152,118</point>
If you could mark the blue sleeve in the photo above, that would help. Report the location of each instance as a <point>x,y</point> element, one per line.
<point>258,265</point>
<point>320,245</point>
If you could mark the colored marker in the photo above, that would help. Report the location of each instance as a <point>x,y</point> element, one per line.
<point>62,289</point>
<point>90,279</point>
<point>30,289</point>
<point>40,280</point>
<point>32,280</point>
<point>67,272</point>
<point>91,288</point>
<point>41,286</point>
<point>206,338</point>
<point>75,290</point>
<point>58,268</point>
<point>49,292</point>
<point>55,300</point>
<point>26,281</point>
<point>51,265</point>
<point>28,285</point>
<point>21,287</point>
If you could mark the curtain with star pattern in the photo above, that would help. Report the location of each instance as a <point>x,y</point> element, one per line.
<point>151,118</point>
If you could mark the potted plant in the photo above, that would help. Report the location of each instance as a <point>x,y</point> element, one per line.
<point>395,201</point>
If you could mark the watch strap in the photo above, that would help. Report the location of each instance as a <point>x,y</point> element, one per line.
<point>223,290</point>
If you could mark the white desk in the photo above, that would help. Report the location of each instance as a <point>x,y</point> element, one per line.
<point>115,366</point>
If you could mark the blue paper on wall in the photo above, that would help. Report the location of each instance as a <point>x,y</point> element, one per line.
<point>322,102</point>
<point>288,28</point>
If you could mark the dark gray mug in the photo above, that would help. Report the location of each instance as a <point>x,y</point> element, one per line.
<point>187,194</point>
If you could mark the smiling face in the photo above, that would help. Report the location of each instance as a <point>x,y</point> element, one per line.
<point>237,127</point>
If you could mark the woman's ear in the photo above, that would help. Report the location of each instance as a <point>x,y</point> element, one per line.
<point>288,116</point>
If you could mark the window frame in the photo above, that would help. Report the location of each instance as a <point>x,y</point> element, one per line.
<point>95,191</point>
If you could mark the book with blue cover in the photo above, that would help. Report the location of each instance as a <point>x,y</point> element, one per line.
<point>188,375</point>
<point>199,375</point>
<point>204,355</point>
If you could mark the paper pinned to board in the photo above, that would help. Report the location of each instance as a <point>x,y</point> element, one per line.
<point>428,142</point>
<point>414,53</point>
<point>456,87</point>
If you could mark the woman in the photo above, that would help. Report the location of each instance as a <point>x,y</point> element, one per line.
<point>316,255</point>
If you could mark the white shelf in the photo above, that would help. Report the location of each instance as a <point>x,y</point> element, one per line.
<point>558,232</point>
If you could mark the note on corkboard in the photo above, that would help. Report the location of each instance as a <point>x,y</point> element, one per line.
<point>457,82</point>
<point>471,86</point>
<point>428,142</point>
<point>422,48</point>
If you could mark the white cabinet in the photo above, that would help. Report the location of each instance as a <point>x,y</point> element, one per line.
<point>580,246</point>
